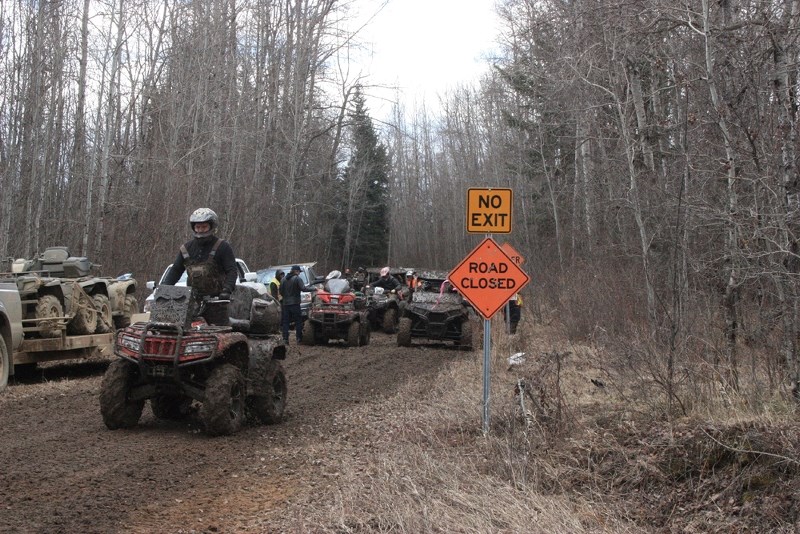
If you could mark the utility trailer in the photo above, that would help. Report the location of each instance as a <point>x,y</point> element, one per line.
<point>22,349</point>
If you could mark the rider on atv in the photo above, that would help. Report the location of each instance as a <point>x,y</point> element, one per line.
<point>386,281</point>
<point>210,264</point>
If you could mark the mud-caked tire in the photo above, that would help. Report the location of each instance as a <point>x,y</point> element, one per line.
<point>48,307</point>
<point>129,306</point>
<point>465,341</point>
<point>390,321</point>
<point>4,365</point>
<point>84,322</point>
<point>309,335</point>
<point>117,409</point>
<point>269,408</point>
<point>404,332</point>
<point>354,334</point>
<point>105,322</point>
<point>171,407</point>
<point>366,333</point>
<point>223,411</point>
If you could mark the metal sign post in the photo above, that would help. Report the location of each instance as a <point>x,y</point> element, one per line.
<point>487,353</point>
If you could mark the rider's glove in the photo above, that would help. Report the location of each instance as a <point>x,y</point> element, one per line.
<point>224,296</point>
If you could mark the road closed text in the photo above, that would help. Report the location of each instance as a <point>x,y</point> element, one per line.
<point>487,276</point>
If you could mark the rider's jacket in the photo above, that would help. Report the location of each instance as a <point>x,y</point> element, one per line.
<point>209,264</point>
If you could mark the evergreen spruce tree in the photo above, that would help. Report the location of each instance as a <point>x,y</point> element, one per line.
<point>363,226</point>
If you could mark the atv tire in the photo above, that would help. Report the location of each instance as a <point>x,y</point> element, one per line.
<point>390,321</point>
<point>85,320</point>
<point>105,323</point>
<point>117,409</point>
<point>465,342</point>
<point>223,411</point>
<point>49,307</point>
<point>309,336</point>
<point>129,306</point>
<point>170,407</point>
<point>404,332</point>
<point>269,408</point>
<point>366,334</point>
<point>354,334</point>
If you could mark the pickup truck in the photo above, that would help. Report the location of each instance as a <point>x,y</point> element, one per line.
<point>17,350</point>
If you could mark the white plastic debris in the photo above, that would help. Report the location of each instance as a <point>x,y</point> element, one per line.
<point>516,359</point>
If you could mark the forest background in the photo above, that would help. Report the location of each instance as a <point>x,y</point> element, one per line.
<point>651,146</point>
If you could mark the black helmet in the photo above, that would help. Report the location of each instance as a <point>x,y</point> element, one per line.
<point>202,215</point>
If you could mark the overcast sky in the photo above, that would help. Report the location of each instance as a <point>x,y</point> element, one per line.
<point>426,46</point>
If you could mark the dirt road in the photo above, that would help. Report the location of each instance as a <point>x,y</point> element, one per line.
<point>63,471</point>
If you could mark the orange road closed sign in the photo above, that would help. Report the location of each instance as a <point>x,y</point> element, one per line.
<point>489,211</point>
<point>487,278</point>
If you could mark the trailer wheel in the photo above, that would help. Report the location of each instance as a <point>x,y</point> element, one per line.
<point>49,308</point>
<point>129,307</point>
<point>390,321</point>
<point>353,334</point>
<point>117,409</point>
<point>85,320</point>
<point>105,323</point>
<point>222,411</point>
<point>269,408</point>
<point>4,363</point>
<point>172,408</point>
<point>404,333</point>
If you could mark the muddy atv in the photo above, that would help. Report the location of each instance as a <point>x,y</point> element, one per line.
<point>337,315</point>
<point>386,308</point>
<point>436,312</point>
<point>176,360</point>
<point>59,294</point>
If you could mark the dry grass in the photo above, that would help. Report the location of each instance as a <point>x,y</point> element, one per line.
<point>589,445</point>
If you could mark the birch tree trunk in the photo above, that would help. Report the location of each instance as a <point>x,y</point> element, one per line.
<point>730,299</point>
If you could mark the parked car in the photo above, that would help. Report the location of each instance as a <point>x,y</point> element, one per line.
<point>246,278</point>
<point>307,273</point>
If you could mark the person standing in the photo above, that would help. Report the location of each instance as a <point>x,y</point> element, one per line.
<point>291,288</point>
<point>514,313</point>
<point>210,265</point>
<point>275,285</point>
<point>359,279</point>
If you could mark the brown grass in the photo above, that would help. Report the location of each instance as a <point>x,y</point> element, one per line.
<point>590,444</point>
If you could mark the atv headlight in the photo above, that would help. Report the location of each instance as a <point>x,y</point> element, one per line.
<point>199,347</point>
<point>129,342</point>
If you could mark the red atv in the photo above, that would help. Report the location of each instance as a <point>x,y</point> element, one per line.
<point>337,313</point>
<point>176,359</point>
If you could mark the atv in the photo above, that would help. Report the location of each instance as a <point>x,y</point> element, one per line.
<point>436,312</point>
<point>385,308</point>
<point>59,293</point>
<point>337,313</point>
<point>176,360</point>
